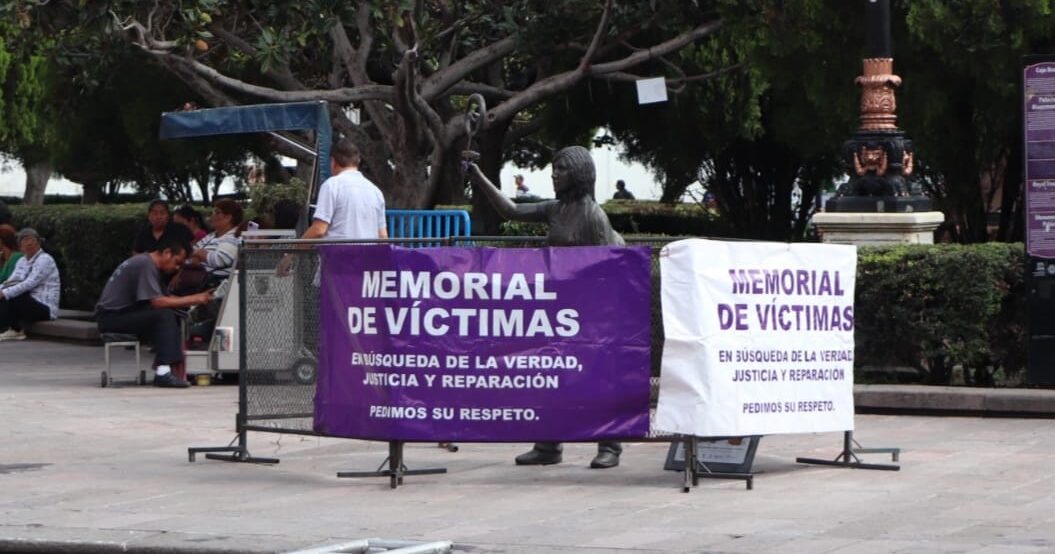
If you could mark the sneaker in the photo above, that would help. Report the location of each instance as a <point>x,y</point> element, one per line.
<point>169,380</point>
<point>11,334</point>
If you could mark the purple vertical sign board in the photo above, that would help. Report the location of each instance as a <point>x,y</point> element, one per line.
<point>484,344</point>
<point>1039,130</point>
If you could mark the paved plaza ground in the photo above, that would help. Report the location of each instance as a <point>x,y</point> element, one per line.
<point>84,468</point>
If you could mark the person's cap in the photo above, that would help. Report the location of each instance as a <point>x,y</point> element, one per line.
<point>29,232</point>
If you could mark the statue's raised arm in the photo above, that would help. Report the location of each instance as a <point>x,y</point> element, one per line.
<point>505,207</point>
<point>574,218</point>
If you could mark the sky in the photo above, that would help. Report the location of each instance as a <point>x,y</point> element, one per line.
<point>610,168</point>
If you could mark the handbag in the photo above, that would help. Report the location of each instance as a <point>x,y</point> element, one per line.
<point>190,279</point>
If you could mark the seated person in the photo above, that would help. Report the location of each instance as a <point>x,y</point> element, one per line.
<point>31,293</point>
<point>9,253</point>
<point>159,224</point>
<point>134,302</point>
<point>190,218</point>
<point>620,191</point>
<point>521,189</point>
<point>218,250</point>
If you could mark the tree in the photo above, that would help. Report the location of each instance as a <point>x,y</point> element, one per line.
<point>407,66</point>
<point>783,118</point>
<point>27,113</point>
<point>775,106</point>
<point>94,119</point>
<point>962,102</point>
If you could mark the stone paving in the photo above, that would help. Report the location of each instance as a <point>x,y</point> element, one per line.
<point>87,469</point>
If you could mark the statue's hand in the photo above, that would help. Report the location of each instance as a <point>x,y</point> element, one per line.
<point>469,159</point>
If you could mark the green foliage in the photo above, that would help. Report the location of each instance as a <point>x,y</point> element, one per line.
<point>88,242</point>
<point>960,103</point>
<point>635,217</point>
<point>655,218</point>
<point>28,113</point>
<point>264,196</point>
<point>114,137</point>
<point>937,307</point>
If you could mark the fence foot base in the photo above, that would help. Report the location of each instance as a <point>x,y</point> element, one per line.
<point>237,454</point>
<point>395,476</point>
<point>396,469</point>
<point>747,478</point>
<point>852,465</point>
<point>848,457</point>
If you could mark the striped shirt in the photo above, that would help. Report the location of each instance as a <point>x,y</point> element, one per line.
<point>222,251</point>
<point>39,276</point>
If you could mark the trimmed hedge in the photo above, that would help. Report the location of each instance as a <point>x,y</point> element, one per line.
<point>942,310</point>
<point>77,199</point>
<point>88,242</point>
<point>633,217</point>
<point>956,314</point>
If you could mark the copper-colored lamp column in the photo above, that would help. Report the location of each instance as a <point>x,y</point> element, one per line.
<point>878,103</point>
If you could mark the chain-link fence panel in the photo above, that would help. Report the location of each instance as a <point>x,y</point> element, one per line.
<point>280,324</point>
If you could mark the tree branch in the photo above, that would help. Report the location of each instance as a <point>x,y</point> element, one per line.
<point>341,95</point>
<point>490,92</point>
<point>602,27</point>
<point>283,75</point>
<point>564,81</point>
<point>180,67</point>
<point>366,36</point>
<point>658,50</point>
<point>523,130</point>
<point>355,65</point>
<point>438,83</point>
<point>622,76</point>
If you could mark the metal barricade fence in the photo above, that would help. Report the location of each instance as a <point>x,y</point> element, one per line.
<point>280,323</point>
<point>279,334</point>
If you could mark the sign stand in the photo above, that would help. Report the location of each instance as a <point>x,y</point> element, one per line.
<point>848,457</point>
<point>396,469</point>
<point>705,460</point>
<point>239,453</point>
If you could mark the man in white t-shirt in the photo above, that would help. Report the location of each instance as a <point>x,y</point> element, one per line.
<point>349,205</point>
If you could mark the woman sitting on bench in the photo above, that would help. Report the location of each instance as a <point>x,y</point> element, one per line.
<point>219,249</point>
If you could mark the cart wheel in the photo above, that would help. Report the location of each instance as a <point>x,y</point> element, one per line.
<point>104,381</point>
<point>304,372</point>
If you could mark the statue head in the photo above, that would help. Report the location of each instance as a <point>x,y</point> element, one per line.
<point>573,173</point>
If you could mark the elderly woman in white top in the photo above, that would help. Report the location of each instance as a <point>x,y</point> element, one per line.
<point>31,293</point>
<point>219,249</point>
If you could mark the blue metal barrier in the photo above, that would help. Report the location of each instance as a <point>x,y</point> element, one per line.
<point>427,224</point>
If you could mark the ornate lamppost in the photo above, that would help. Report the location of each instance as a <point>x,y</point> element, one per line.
<point>879,155</point>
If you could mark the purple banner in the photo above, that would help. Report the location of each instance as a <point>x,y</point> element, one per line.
<point>1039,130</point>
<point>484,344</point>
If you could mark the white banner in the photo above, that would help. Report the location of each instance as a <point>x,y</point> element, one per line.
<point>759,338</point>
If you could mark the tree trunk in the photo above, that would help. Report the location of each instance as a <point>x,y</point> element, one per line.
<point>305,170</point>
<point>1011,197</point>
<point>452,185</point>
<point>92,192</point>
<point>485,219</point>
<point>37,176</point>
<point>202,179</point>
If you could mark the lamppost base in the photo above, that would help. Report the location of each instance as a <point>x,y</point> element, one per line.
<point>877,229</point>
<point>878,204</point>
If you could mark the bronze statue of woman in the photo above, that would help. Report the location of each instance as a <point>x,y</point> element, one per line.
<point>575,219</point>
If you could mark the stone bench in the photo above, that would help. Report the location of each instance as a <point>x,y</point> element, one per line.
<point>71,325</point>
